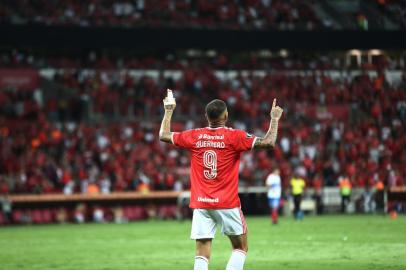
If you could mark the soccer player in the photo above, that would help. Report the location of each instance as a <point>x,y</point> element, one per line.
<point>273,182</point>
<point>215,158</point>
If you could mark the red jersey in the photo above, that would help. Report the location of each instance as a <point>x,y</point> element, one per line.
<point>214,164</point>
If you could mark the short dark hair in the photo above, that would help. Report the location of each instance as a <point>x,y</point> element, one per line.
<point>215,108</point>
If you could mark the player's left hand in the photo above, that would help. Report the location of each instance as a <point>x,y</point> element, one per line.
<point>276,111</point>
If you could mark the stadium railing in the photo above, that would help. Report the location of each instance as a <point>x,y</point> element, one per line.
<point>330,196</point>
<point>171,203</point>
<point>116,196</point>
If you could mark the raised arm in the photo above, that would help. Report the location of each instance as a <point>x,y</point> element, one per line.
<point>165,134</point>
<point>270,137</point>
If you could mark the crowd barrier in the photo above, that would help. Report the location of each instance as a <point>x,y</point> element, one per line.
<point>46,208</point>
<point>116,196</point>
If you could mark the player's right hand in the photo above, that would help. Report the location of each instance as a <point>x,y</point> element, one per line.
<point>169,103</point>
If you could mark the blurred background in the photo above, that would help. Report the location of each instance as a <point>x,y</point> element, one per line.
<point>82,83</point>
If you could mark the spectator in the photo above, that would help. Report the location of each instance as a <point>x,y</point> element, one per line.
<point>318,185</point>
<point>379,195</point>
<point>6,209</point>
<point>345,192</point>
<point>298,185</point>
<point>118,215</point>
<point>62,216</point>
<point>79,214</point>
<point>368,199</point>
<point>98,215</point>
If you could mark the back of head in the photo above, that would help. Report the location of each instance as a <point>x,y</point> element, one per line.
<point>215,109</point>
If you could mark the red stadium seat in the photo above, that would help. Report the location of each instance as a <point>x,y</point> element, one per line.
<point>129,213</point>
<point>37,216</point>
<point>47,216</point>
<point>167,211</point>
<point>17,214</point>
<point>173,209</point>
<point>2,219</point>
<point>108,214</point>
<point>139,213</point>
<point>163,212</point>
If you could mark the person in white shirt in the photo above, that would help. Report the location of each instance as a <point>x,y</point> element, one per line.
<point>273,183</point>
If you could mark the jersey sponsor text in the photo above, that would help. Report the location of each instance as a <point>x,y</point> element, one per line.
<point>209,200</point>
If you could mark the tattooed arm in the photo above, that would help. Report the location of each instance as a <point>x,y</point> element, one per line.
<point>165,134</point>
<point>270,137</point>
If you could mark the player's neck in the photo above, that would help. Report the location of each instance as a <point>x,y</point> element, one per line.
<point>217,124</point>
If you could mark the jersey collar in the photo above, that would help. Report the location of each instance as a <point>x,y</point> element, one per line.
<point>215,128</point>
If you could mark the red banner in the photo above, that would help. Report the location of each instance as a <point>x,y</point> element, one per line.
<point>21,79</point>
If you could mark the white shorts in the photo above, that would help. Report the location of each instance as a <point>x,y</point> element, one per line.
<point>205,221</point>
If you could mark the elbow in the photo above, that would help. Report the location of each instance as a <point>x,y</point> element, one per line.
<point>266,144</point>
<point>165,137</point>
<point>161,136</point>
<point>270,145</point>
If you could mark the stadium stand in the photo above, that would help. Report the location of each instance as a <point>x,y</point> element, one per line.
<point>396,10</point>
<point>254,14</point>
<point>80,113</point>
<point>245,14</point>
<point>342,124</point>
<point>183,59</point>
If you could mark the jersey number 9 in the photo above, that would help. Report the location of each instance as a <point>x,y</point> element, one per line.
<point>210,162</point>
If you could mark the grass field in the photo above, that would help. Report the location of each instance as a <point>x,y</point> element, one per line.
<point>334,242</point>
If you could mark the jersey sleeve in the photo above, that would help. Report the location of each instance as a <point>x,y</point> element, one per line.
<point>243,141</point>
<point>183,139</point>
<point>268,181</point>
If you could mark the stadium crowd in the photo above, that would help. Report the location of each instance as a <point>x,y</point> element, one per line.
<point>395,9</point>
<point>212,59</point>
<point>101,136</point>
<point>198,14</point>
<point>244,14</point>
<point>92,125</point>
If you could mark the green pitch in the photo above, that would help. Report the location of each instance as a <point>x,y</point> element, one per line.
<point>334,242</point>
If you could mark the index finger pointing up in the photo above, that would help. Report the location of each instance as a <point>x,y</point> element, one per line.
<point>274,103</point>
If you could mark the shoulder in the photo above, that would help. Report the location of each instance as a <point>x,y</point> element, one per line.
<point>185,134</point>
<point>232,130</point>
<point>190,131</point>
<point>239,132</point>
<point>272,178</point>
